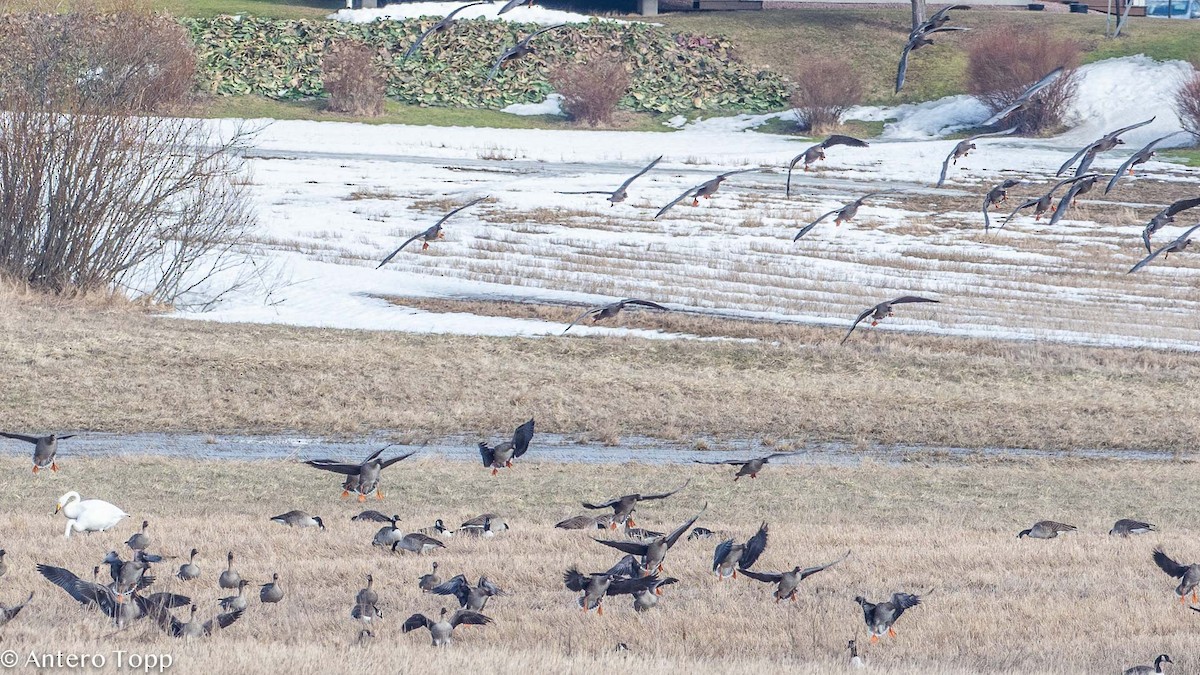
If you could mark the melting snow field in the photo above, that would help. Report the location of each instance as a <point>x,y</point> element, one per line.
<point>413,10</point>
<point>334,199</point>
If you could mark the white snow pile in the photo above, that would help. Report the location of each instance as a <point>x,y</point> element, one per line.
<point>551,106</point>
<point>413,10</point>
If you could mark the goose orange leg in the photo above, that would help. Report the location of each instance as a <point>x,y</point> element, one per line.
<point>378,495</point>
<point>54,467</point>
<point>891,632</point>
<point>362,497</point>
<point>35,469</point>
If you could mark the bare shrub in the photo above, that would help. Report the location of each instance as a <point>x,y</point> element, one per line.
<point>355,82</point>
<point>1187,106</point>
<point>96,195</point>
<point>825,88</point>
<point>1002,64</point>
<point>591,89</point>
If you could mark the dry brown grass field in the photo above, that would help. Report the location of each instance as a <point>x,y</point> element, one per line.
<point>1084,603</point>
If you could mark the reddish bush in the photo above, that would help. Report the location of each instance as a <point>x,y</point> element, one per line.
<point>355,82</point>
<point>591,90</point>
<point>1002,64</point>
<point>1187,106</point>
<point>825,88</point>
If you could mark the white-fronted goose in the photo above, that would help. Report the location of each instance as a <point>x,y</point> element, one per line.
<point>469,597</point>
<point>621,193</point>
<point>788,583</point>
<point>8,613</point>
<point>610,310</point>
<point>1140,157</point>
<point>646,599</point>
<point>442,26</point>
<point>596,586</point>
<point>297,518</point>
<point>654,552</point>
<point>844,213</point>
<point>1178,246</point>
<point>442,629</point>
<point>416,543</point>
<point>936,20</point>
<point>728,558</point>
<point>366,603</point>
<point>1040,204</point>
<point>438,529</point>
<point>433,233</point>
<point>189,571</point>
<point>271,592</point>
<point>623,506</point>
<point>704,190</point>
<point>997,195</point>
<point>513,4</point>
<point>503,454</point>
<point>428,582</point>
<point>880,618</point>
<point>522,48</point>
<point>1046,529</point>
<point>749,467</point>
<point>1151,670</point>
<point>964,148</point>
<point>130,575</point>
<point>1026,97</point>
<point>627,567</point>
<point>1167,217</point>
<point>916,40</point>
<point>192,628</point>
<point>1188,575</point>
<point>1082,185</point>
<point>370,515</point>
<point>585,522</point>
<point>1103,144</point>
<point>87,515</point>
<point>104,598</point>
<point>882,311</point>
<point>229,579</point>
<point>816,153</point>
<point>237,602</point>
<point>45,448</point>
<point>1126,526</point>
<point>367,472</point>
<point>140,540</point>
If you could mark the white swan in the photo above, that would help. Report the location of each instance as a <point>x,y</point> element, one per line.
<point>92,515</point>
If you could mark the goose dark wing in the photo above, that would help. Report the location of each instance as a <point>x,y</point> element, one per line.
<point>470,618</point>
<point>1023,205</point>
<point>865,313</point>
<point>468,205</point>
<point>629,181</point>
<point>765,577</point>
<point>687,193</point>
<point>754,548</point>
<point>511,5</point>
<point>625,546</point>
<point>910,298</point>
<point>946,165</point>
<point>459,587</point>
<point>335,467</point>
<point>626,567</point>
<point>582,316</point>
<point>643,303</point>
<point>720,552</point>
<point>416,621</point>
<point>1112,135</point>
<point>399,458</point>
<point>84,592</point>
<point>1182,205</point>
<point>627,586</point>
<point>410,240</point>
<point>808,228</point>
<point>508,54</point>
<point>839,139</point>
<point>575,580</point>
<point>1023,98</point>
<point>23,437</point>
<point>902,68</point>
<point>675,534</point>
<point>522,437</point>
<point>222,621</point>
<point>664,495</point>
<point>809,571</point>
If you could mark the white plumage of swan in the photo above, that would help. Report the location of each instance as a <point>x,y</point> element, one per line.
<point>90,515</point>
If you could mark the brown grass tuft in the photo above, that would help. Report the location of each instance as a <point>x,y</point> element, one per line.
<point>825,88</point>
<point>1187,106</point>
<point>355,83</point>
<point>591,89</point>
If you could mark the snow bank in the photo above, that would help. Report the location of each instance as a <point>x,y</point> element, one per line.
<point>412,10</point>
<point>551,106</point>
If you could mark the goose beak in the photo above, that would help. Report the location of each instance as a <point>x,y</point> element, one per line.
<point>57,508</point>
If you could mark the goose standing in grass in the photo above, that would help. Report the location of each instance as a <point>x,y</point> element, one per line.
<point>367,473</point>
<point>189,571</point>
<point>503,454</point>
<point>470,597</point>
<point>432,234</point>
<point>271,592</point>
<point>1140,157</point>
<point>1082,185</point>
<point>87,515</point>
<point>1178,246</point>
<point>816,153</point>
<point>442,630</point>
<point>1046,529</point>
<point>299,518</point>
<point>1040,204</point>
<point>236,602</point>
<point>373,516</point>
<point>116,607</point>
<point>882,311</point>
<point>748,467</point>
<point>1188,575</point>
<point>140,540</point>
<point>964,148</point>
<point>623,506</point>
<point>997,195</point>
<point>654,552</point>
<point>366,603</point>
<point>229,579</point>
<point>8,613</point>
<point>621,193</point>
<point>1126,526</point>
<point>881,617</point>
<point>788,583</point>
<point>416,543</point>
<point>917,39</point>
<point>428,582</point>
<point>1025,99</point>
<point>612,309</point>
<point>1151,670</point>
<point>728,558</point>
<point>1167,217</point>
<point>704,190</point>
<point>45,448</point>
<point>192,628</point>
<point>595,587</point>
<point>442,26</point>
<point>1103,144</point>
<point>519,50</point>
<point>646,599</point>
<point>843,214</point>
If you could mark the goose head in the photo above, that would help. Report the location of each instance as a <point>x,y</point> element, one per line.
<point>320,523</point>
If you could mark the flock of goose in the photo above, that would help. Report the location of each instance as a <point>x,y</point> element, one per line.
<point>637,574</point>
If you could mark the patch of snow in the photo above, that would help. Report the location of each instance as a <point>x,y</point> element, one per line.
<point>733,123</point>
<point>676,122</point>
<point>551,106</point>
<point>931,119</point>
<point>412,10</point>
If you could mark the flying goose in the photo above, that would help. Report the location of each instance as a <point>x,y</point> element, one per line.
<point>502,455</point>
<point>623,506</point>
<point>1140,157</point>
<point>428,582</point>
<point>1125,527</point>
<point>789,582</point>
<point>513,4</point>
<point>612,309</point>
<point>654,552</point>
<point>728,558</point>
<point>627,567</point>
<point>416,543</point>
<point>916,40</point>
<point>9,613</point>
<point>432,234</point>
<point>229,579</point>
<point>1082,185</point>
<point>1151,670</point>
<point>882,616</point>
<point>844,213</point>
<point>1040,204</point>
<point>271,592</point>
<point>90,515</point>
<point>646,599</point>
<point>367,472</point>
<point>621,193</point>
<point>236,603</point>
<point>997,195</point>
<point>596,586</point>
<point>1026,97</point>
<point>1103,144</point>
<point>485,525</point>
<point>192,628</point>
<point>882,311</point>
<point>585,522</point>
<point>45,448</point>
<point>816,153</point>
<point>189,571</point>
<point>706,190</point>
<point>749,467</point>
<point>140,540</point>
<point>1179,245</point>
<point>1046,529</point>
<point>469,597</point>
<point>1188,575</point>
<point>522,48</point>
<point>936,20</point>
<point>371,515</point>
<point>1167,217</point>
<point>446,23</point>
<point>104,598</point>
<point>442,629</point>
<point>298,518</point>
<point>964,148</point>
